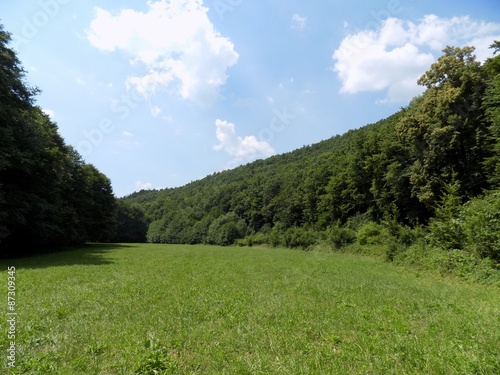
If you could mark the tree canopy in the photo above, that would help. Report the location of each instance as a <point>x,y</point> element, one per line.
<point>399,167</point>
<point>49,197</point>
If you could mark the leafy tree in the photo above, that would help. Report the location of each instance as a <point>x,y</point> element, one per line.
<point>445,127</point>
<point>48,196</point>
<point>155,231</point>
<point>226,229</point>
<point>96,205</point>
<point>491,106</point>
<point>131,225</point>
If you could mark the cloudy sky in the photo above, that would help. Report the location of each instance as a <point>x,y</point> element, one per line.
<point>163,92</point>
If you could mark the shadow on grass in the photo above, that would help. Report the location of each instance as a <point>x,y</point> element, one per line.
<point>92,254</point>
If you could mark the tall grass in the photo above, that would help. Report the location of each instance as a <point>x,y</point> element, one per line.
<point>155,309</point>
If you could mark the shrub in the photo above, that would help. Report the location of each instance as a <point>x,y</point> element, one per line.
<point>297,237</point>
<point>371,234</point>
<point>277,235</point>
<point>340,236</point>
<point>446,227</point>
<point>393,250</point>
<point>357,221</point>
<point>481,226</point>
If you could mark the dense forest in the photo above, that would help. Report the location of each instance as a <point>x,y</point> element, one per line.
<point>49,197</point>
<point>429,171</point>
<point>424,178</point>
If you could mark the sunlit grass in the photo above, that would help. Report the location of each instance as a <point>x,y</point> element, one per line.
<point>137,309</point>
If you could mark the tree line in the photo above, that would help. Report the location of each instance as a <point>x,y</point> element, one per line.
<point>399,170</point>
<point>49,197</point>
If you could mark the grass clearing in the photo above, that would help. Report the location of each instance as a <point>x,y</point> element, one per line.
<point>167,309</point>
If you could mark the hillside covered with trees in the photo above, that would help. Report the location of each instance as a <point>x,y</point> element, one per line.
<point>431,168</point>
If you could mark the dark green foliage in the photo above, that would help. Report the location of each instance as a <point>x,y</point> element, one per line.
<point>491,107</point>
<point>340,236</point>
<point>481,226</point>
<point>155,229</point>
<point>371,234</point>
<point>226,229</point>
<point>130,223</point>
<point>445,227</point>
<point>473,227</point>
<point>48,196</point>
<point>445,128</point>
<point>297,237</point>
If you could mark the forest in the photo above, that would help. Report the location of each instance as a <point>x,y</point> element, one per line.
<point>422,181</point>
<point>425,178</point>
<point>49,197</point>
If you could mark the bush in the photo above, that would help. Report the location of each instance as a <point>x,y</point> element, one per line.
<point>474,227</point>
<point>277,235</point>
<point>297,237</point>
<point>340,236</point>
<point>446,227</point>
<point>357,221</point>
<point>480,220</point>
<point>393,250</point>
<point>371,234</point>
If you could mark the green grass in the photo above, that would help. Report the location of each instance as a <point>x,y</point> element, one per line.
<point>155,309</point>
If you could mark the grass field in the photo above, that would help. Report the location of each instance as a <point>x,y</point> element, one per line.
<point>154,309</point>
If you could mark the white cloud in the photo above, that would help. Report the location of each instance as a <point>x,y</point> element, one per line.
<point>174,41</point>
<point>393,57</point>
<point>298,22</point>
<point>240,148</point>
<point>143,185</point>
<point>49,112</point>
<point>127,134</point>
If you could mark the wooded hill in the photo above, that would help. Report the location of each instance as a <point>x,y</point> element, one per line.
<point>416,168</point>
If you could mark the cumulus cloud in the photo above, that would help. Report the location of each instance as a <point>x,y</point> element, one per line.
<point>393,57</point>
<point>240,148</point>
<point>174,41</point>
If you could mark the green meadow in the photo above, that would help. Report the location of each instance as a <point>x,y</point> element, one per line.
<point>179,309</point>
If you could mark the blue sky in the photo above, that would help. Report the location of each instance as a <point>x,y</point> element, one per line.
<point>160,93</point>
